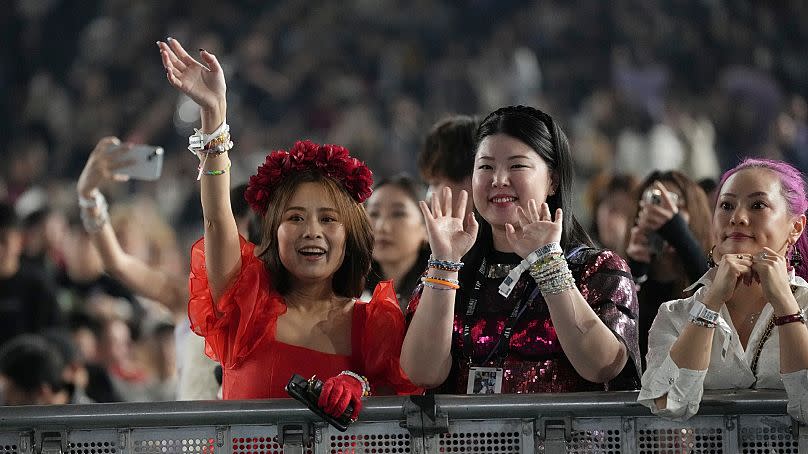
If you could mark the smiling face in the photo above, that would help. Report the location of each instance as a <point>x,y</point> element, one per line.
<point>311,235</point>
<point>751,214</point>
<point>507,173</point>
<point>398,225</point>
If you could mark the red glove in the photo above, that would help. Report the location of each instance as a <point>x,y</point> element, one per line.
<point>338,392</point>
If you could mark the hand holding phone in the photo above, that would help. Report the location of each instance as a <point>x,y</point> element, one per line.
<point>144,162</point>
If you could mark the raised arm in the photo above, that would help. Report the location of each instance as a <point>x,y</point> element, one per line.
<point>131,271</point>
<point>426,352</point>
<point>204,83</point>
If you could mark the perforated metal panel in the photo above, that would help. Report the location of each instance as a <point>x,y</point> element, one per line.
<point>93,442</point>
<point>686,439</point>
<point>9,442</point>
<point>596,435</point>
<point>187,440</point>
<point>383,437</point>
<point>257,440</point>
<point>487,437</point>
<point>767,435</point>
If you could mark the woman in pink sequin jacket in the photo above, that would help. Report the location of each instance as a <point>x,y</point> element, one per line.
<point>569,320</point>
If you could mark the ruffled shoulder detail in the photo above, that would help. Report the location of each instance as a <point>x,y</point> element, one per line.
<point>377,337</point>
<point>245,314</point>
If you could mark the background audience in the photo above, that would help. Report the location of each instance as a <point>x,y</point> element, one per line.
<point>691,87</point>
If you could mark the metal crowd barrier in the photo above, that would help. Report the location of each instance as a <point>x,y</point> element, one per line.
<point>584,423</point>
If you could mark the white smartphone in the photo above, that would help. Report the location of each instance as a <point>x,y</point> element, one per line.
<point>147,162</point>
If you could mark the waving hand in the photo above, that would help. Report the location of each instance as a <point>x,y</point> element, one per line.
<point>204,83</point>
<point>449,237</point>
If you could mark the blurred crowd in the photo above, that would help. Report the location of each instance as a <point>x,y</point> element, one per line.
<point>685,85</point>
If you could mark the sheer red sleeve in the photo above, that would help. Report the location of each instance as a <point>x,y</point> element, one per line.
<point>380,342</point>
<point>246,313</point>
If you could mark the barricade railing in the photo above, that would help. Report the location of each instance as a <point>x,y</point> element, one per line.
<point>605,423</point>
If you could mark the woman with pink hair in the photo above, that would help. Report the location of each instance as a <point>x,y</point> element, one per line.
<point>745,326</point>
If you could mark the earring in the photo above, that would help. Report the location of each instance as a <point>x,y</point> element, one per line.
<point>796,258</point>
<point>710,262</point>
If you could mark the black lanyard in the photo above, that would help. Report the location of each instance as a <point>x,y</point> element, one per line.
<point>503,342</point>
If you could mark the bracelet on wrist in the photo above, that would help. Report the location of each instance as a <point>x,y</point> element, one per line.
<point>93,222</point>
<point>791,318</point>
<point>362,379</point>
<point>198,141</point>
<point>93,201</point>
<point>444,265</point>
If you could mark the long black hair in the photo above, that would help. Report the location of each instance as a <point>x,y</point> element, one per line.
<point>538,130</point>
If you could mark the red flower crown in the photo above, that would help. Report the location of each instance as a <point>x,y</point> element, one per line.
<point>332,161</point>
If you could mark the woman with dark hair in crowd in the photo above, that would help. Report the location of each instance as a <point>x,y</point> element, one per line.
<point>400,248</point>
<point>530,305</point>
<point>745,326</point>
<point>287,305</point>
<point>667,244</point>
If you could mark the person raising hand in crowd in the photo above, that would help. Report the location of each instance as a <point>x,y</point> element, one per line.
<point>263,308</point>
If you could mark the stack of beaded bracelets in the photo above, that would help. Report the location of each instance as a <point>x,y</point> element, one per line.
<point>216,142</point>
<point>550,270</point>
<point>442,283</point>
<point>362,379</point>
<point>93,223</point>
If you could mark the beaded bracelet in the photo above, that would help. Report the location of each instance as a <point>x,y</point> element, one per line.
<point>362,379</point>
<point>444,265</point>
<point>199,141</point>
<point>702,323</point>
<point>211,172</point>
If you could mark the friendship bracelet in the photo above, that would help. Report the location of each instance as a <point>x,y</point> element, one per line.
<point>212,172</point>
<point>444,265</point>
<point>444,282</point>
<point>436,287</point>
<point>362,379</point>
<point>702,323</point>
<point>198,141</point>
<point>450,280</point>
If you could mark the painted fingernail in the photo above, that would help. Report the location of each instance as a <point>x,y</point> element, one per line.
<point>169,38</point>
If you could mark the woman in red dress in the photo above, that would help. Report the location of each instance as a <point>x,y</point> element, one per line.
<point>289,304</point>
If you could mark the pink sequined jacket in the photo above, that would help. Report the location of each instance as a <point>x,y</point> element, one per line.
<point>534,361</point>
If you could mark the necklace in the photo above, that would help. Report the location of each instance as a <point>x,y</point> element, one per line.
<point>752,318</point>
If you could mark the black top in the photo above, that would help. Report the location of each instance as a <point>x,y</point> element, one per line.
<point>653,293</point>
<point>27,303</point>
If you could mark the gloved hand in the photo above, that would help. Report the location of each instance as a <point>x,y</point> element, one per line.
<point>338,392</point>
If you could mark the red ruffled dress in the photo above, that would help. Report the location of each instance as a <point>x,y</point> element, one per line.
<point>256,365</point>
